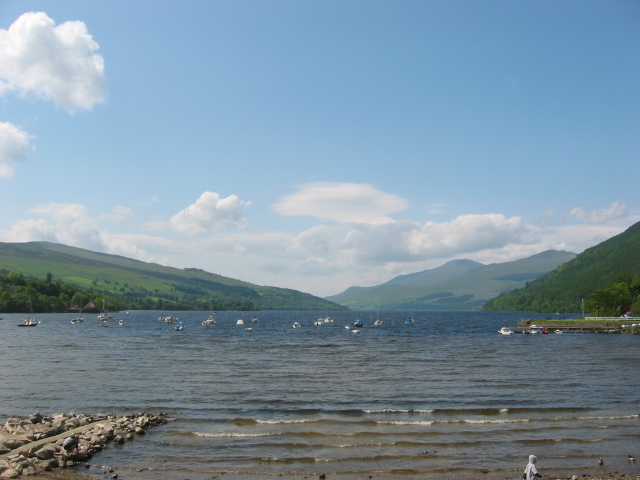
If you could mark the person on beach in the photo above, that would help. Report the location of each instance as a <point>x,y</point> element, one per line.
<point>531,472</point>
<point>70,443</point>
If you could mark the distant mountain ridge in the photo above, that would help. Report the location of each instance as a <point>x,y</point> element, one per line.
<point>142,285</point>
<point>457,285</point>
<point>563,289</point>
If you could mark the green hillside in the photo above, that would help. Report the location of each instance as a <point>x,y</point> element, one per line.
<point>456,285</point>
<point>563,289</point>
<point>133,284</point>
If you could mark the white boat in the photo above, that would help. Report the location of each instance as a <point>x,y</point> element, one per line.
<point>168,320</point>
<point>296,325</point>
<point>103,323</point>
<point>121,322</point>
<point>77,320</point>
<point>248,329</point>
<point>355,330</point>
<point>240,322</point>
<point>327,318</point>
<point>559,331</point>
<point>28,322</point>
<point>505,331</point>
<point>209,321</point>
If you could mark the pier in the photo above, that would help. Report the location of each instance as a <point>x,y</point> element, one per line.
<point>586,325</point>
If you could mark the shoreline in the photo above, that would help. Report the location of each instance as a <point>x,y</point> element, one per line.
<point>32,446</point>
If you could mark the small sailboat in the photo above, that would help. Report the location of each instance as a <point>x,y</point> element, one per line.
<point>378,321</point>
<point>327,318</point>
<point>211,319</point>
<point>162,317</point>
<point>29,321</point>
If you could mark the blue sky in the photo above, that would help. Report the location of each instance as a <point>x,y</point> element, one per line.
<point>319,145</point>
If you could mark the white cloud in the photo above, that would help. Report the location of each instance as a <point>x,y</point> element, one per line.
<point>120,215</point>
<point>466,233</point>
<point>14,146</point>
<point>609,213</point>
<point>341,202</point>
<point>70,225</point>
<point>409,241</point>
<point>210,213</point>
<point>57,63</point>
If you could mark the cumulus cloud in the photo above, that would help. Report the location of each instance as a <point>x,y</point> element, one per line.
<point>466,233</point>
<point>57,63</point>
<point>611,212</point>
<point>341,202</point>
<point>120,215</point>
<point>72,225</point>
<point>409,241</point>
<point>14,146</point>
<point>210,213</point>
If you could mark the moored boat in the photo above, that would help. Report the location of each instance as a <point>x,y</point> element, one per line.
<point>505,331</point>
<point>28,322</point>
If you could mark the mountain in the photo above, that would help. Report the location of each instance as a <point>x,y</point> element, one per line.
<point>142,285</point>
<point>456,285</point>
<point>563,289</point>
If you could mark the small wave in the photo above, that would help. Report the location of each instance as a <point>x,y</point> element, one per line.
<point>400,422</point>
<point>231,434</point>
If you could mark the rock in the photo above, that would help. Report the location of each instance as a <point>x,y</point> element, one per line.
<point>10,473</point>
<point>37,418</point>
<point>46,453</point>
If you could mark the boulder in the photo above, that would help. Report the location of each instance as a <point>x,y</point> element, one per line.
<point>10,473</point>
<point>46,453</point>
<point>36,418</point>
<point>12,441</point>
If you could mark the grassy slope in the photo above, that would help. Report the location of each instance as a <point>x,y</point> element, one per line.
<point>87,269</point>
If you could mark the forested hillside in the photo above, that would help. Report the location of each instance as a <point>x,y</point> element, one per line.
<point>456,285</point>
<point>53,277</point>
<point>563,289</point>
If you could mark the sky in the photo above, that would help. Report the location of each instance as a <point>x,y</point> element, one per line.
<point>319,145</point>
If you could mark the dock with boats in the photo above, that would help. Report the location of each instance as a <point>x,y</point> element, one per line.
<point>583,325</point>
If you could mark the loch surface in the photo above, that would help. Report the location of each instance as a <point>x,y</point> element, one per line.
<point>443,397</point>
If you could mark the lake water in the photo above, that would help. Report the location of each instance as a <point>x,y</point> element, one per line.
<point>444,397</point>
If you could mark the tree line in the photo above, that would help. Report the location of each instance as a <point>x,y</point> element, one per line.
<point>616,298</point>
<point>22,294</point>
